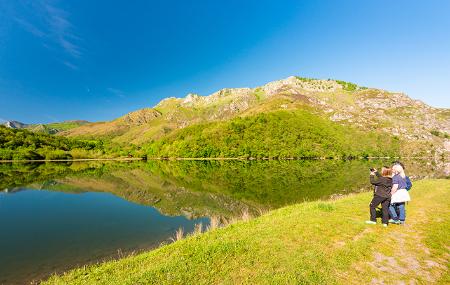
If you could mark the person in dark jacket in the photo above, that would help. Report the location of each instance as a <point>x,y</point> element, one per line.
<point>381,195</point>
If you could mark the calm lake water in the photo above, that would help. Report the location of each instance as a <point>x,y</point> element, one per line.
<point>57,216</point>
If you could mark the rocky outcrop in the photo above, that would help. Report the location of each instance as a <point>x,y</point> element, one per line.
<point>140,117</point>
<point>15,125</point>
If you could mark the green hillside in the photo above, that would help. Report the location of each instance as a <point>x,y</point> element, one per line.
<point>54,128</point>
<point>279,134</point>
<point>22,144</point>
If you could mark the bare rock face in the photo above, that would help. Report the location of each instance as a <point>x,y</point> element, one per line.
<point>140,117</point>
<point>191,99</point>
<point>15,125</point>
<point>447,145</point>
<point>340,117</point>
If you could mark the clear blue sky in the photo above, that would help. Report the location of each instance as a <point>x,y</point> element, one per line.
<point>97,60</point>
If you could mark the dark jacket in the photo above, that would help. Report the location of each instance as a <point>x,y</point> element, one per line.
<point>383,185</point>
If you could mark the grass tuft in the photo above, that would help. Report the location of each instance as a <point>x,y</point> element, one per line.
<point>198,229</point>
<point>214,223</point>
<point>179,234</point>
<point>326,207</point>
<point>245,216</point>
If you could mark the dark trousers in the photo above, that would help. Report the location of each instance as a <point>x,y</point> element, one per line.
<point>377,200</point>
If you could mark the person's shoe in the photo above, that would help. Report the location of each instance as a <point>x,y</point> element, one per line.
<point>391,221</point>
<point>371,222</point>
<point>385,225</point>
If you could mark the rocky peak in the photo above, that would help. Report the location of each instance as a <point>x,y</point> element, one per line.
<point>140,117</point>
<point>15,125</point>
<point>191,99</point>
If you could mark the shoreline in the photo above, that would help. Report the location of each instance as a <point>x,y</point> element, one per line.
<point>77,159</point>
<point>215,158</point>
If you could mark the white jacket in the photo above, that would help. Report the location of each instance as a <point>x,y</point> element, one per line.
<point>400,196</point>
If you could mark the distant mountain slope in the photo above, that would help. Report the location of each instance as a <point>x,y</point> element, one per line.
<point>14,125</point>
<point>51,128</point>
<point>341,102</point>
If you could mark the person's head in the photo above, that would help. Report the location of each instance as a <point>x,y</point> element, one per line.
<point>398,162</point>
<point>386,171</point>
<point>398,169</point>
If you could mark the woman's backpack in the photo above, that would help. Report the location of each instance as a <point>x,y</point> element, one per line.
<point>408,183</point>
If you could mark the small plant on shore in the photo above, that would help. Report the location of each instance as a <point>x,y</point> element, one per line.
<point>179,234</point>
<point>230,221</point>
<point>262,211</point>
<point>214,223</point>
<point>198,229</point>
<point>245,216</point>
<point>120,253</point>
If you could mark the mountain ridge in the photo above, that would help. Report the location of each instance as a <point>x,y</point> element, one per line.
<point>50,128</point>
<point>342,102</point>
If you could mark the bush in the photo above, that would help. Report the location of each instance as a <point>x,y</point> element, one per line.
<point>347,86</point>
<point>25,154</point>
<point>6,154</point>
<point>57,154</point>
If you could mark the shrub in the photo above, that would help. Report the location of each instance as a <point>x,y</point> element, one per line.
<point>347,86</point>
<point>57,154</point>
<point>25,154</point>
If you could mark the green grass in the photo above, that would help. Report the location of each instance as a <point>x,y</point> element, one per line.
<point>323,242</point>
<point>64,126</point>
<point>54,128</point>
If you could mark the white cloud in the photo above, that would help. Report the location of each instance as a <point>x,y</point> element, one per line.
<point>30,28</point>
<point>116,92</point>
<point>70,65</point>
<point>51,24</point>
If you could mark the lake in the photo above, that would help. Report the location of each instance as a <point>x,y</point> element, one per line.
<point>57,216</point>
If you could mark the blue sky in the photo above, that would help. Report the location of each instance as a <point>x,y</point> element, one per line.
<point>97,60</point>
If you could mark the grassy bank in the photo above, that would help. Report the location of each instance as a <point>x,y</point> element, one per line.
<point>314,242</point>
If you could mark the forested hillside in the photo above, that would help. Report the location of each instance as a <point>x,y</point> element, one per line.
<point>21,144</point>
<point>280,134</point>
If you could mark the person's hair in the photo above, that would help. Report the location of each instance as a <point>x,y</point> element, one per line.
<point>386,171</point>
<point>398,169</point>
<point>398,162</point>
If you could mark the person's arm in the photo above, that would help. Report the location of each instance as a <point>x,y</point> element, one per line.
<point>373,180</point>
<point>394,189</point>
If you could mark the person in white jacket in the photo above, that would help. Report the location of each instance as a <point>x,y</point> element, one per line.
<point>399,195</point>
